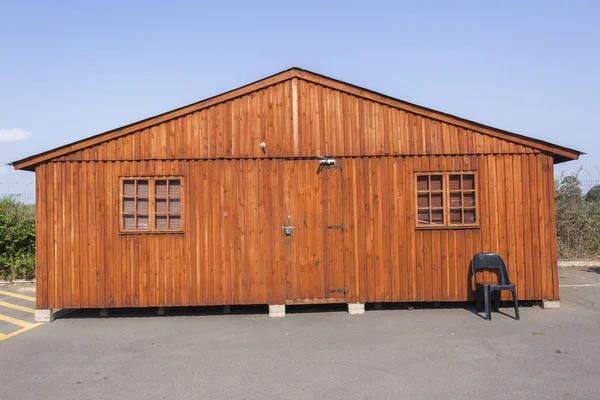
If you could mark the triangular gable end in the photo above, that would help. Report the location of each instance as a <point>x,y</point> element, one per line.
<point>559,153</point>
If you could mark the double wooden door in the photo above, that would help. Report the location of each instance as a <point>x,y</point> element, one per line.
<point>313,231</point>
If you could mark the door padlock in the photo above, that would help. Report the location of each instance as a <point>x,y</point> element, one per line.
<point>288,229</point>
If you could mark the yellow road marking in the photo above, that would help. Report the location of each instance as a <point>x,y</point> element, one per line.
<point>16,307</point>
<point>18,296</point>
<point>23,324</point>
<point>15,333</point>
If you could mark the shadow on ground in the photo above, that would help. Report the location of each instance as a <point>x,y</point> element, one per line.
<point>151,312</point>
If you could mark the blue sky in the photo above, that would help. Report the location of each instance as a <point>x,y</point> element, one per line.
<point>69,70</point>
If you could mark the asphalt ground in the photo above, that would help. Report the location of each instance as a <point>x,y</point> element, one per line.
<point>17,303</point>
<point>448,352</point>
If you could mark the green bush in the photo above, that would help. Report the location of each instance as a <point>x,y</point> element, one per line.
<point>17,239</point>
<point>577,220</point>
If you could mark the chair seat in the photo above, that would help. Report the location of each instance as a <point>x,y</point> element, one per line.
<point>494,285</point>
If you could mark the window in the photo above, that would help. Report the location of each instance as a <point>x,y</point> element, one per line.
<point>446,199</point>
<point>151,204</point>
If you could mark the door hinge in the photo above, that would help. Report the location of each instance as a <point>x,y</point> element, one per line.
<point>335,227</point>
<point>342,290</point>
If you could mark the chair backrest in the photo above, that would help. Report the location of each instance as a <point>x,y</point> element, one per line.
<point>490,261</point>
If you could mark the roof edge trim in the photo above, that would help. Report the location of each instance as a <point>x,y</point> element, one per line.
<point>28,163</point>
<point>562,153</point>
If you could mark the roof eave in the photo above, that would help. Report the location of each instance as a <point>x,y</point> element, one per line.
<point>560,153</point>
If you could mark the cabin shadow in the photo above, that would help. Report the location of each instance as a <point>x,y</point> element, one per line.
<point>152,312</point>
<point>263,310</point>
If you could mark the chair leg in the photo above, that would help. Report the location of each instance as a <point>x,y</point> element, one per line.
<point>495,299</point>
<point>514,293</point>
<point>486,299</point>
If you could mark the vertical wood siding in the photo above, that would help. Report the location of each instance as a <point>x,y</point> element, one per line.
<point>237,198</point>
<point>330,122</point>
<point>234,252</point>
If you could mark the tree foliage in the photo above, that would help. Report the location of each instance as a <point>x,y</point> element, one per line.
<point>593,194</point>
<point>17,239</point>
<point>577,219</point>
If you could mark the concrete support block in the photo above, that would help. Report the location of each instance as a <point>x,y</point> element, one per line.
<point>160,311</point>
<point>550,304</point>
<point>277,310</point>
<point>356,308</point>
<point>377,306</point>
<point>226,309</point>
<point>104,312</point>
<point>43,316</point>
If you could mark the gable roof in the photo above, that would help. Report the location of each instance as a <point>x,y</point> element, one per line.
<point>560,153</point>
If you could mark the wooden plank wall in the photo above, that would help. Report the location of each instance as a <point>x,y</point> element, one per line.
<point>232,251</point>
<point>223,257</point>
<point>331,123</point>
<point>387,259</point>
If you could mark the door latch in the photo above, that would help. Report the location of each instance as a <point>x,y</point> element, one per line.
<point>342,290</point>
<point>336,227</point>
<point>287,230</point>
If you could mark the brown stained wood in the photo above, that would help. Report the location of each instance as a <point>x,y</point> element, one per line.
<point>374,105</point>
<point>264,230</point>
<point>290,248</point>
<point>535,227</point>
<point>192,231</point>
<point>276,265</point>
<point>385,202</point>
<point>369,269</point>
<point>253,282</point>
<point>336,256</point>
<point>235,128</point>
<point>385,258</point>
<point>236,198</point>
<point>111,229</point>
<point>41,245</point>
<point>520,213</point>
<point>394,238</point>
<point>327,218</point>
<point>542,224</point>
<point>378,231</point>
<point>350,234</point>
<point>527,185</point>
<point>55,280</point>
<point>217,250</point>
<point>512,262</point>
<point>404,265</point>
<point>65,237</point>
<point>227,203</point>
<point>101,235</point>
<point>426,248</point>
<point>501,226</point>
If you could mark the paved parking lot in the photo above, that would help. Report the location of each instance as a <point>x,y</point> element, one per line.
<point>434,353</point>
<point>17,304</point>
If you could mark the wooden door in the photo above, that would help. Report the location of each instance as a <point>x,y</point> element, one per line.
<point>312,197</point>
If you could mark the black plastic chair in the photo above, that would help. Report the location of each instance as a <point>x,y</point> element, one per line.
<point>492,261</point>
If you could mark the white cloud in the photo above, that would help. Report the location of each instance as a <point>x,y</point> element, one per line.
<point>13,135</point>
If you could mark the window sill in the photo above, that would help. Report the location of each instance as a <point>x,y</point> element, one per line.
<point>151,233</point>
<point>447,228</point>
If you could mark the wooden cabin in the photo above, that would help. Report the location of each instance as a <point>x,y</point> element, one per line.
<point>295,189</point>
